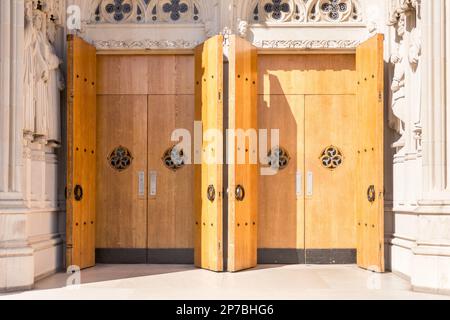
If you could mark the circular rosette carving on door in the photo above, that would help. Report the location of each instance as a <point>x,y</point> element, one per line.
<point>174,158</point>
<point>120,158</point>
<point>278,158</point>
<point>331,158</point>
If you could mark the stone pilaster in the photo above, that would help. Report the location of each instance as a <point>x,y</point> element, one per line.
<point>434,100</point>
<point>421,235</point>
<point>16,256</point>
<point>431,261</point>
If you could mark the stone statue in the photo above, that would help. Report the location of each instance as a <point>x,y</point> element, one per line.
<point>29,72</point>
<point>41,76</point>
<point>242,28</point>
<point>43,79</point>
<point>415,51</point>
<point>398,116</point>
<point>55,86</point>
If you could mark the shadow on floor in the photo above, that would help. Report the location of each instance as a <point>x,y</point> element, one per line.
<point>103,272</point>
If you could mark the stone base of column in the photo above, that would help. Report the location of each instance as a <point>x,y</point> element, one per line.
<point>16,255</point>
<point>431,269</point>
<point>420,248</point>
<point>16,269</point>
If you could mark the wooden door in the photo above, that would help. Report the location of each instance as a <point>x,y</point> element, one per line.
<point>145,212</point>
<point>208,176</point>
<point>330,161</point>
<point>171,183</point>
<point>309,99</point>
<point>81,153</point>
<point>122,159</point>
<point>370,184</point>
<point>281,196</point>
<point>121,178</point>
<point>243,146</point>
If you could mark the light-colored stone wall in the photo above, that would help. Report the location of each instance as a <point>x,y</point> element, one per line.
<point>420,214</point>
<point>30,208</point>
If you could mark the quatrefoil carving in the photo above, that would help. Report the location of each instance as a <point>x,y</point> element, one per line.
<point>174,158</point>
<point>278,158</point>
<point>331,158</point>
<point>120,159</point>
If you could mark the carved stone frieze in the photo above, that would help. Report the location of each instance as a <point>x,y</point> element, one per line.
<point>307,44</point>
<point>145,44</point>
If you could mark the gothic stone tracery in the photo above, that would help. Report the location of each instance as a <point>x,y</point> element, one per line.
<point>305,11</point>
<point>146,11</point>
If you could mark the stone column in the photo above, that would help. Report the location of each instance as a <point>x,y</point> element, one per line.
<point>434,100</point>
<point>431,261</point>
<point>16,256</point>
<point>447,69</point>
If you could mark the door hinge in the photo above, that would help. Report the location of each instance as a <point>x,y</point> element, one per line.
<point>380,96</point>
<point>219,246</point>
<point>220,96</point>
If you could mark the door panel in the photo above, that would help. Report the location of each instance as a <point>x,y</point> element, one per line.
<point>370,102</point>
<point>121,198</point>
<point>330,216</point>
<point>307,74</point>
<point>170,209</point>
<point>170,74</point>
<point>122,74</point>
<point>280,207</point>
<point>289,86</point>
<point>142,100</point>
<point>243,175</point>
<point>81,146</point>
<point>208,178</point>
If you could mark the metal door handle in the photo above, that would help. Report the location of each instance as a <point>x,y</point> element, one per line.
<point>371,194</point>
<point>310,184</point>
<point>153,178</point>
<point>141,183</point>
<point>211,193</point>
<point>299,184</point>
<point>78,192</point>
<point>240,193</point>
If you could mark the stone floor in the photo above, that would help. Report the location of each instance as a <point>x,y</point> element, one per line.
<point>186,282</point>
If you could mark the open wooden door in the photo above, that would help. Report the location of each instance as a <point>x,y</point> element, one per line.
<point>81,153</point>
<point>370,184</point>
<point>243,155</point>
<point>208,190</point>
